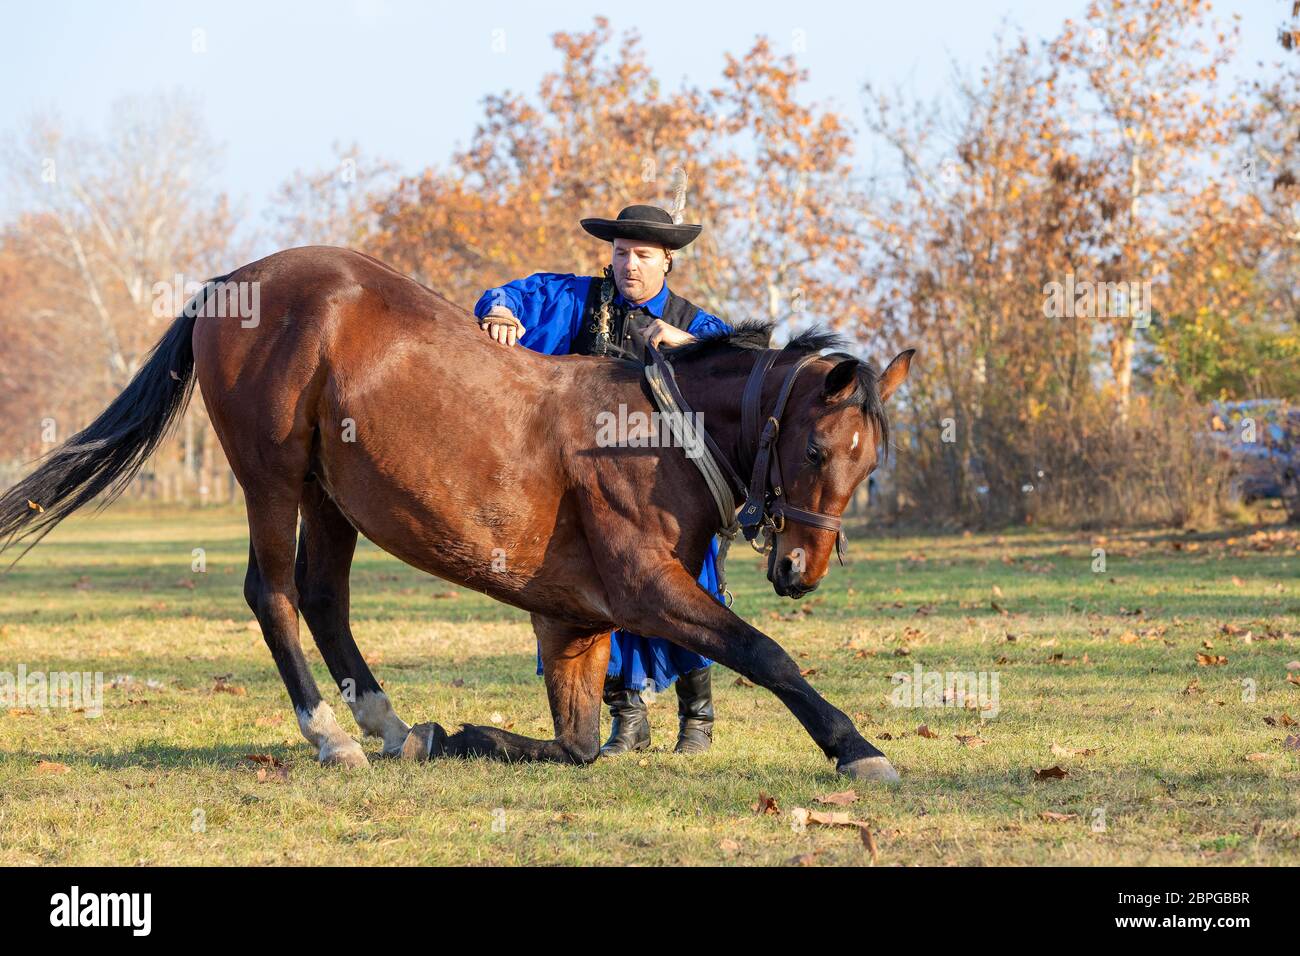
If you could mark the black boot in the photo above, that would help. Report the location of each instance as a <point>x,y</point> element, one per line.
<point>695,712</point>
<point>631,730</point>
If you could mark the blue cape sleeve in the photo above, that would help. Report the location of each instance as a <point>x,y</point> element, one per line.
<point>705,326</point>
<point>549,304</point>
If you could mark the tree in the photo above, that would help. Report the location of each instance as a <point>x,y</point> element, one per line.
<point>109,222</point>
<point>766,175</point>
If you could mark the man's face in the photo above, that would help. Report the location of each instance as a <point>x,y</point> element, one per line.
<point>639,269</point>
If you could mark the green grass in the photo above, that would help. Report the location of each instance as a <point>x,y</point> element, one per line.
<point>1099,660</point>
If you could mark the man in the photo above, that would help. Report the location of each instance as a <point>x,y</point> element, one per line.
<point>566,314</point>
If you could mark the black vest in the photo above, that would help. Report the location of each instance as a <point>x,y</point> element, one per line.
<point>678,312</point>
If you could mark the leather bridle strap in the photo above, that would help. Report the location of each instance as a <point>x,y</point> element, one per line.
<point>754,510</point>
<point>722,480</point>
<point>750,404</point>
<point>668,396</point>
<point>765,506</point>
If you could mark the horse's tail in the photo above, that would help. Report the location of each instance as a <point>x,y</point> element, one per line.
<point>107,454</point>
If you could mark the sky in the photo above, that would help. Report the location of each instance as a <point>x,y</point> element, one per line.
<point>279,82</point>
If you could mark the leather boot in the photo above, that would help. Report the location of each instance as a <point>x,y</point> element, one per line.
<point>631,729</point>
<point>695,711</point>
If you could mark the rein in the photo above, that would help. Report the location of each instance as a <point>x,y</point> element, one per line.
<point>764,509</point>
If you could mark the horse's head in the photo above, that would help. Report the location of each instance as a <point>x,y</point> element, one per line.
<point>833,433</point>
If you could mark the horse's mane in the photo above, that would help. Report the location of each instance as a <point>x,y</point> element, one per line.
<point>755,335</point>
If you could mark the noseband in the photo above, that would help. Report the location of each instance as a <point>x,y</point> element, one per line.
<point>765,508</point>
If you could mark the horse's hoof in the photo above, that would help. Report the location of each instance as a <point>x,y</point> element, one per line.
<point>424,741</point>
<point>397,750</point>
<point>870,770</point>
<point>347,754</point>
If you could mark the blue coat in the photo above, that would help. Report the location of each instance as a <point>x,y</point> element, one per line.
<point>550,307</point>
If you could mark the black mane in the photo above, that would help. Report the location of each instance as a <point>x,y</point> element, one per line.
<point>756,335</point>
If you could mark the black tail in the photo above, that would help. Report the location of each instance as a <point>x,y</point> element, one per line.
<point>107,454</point>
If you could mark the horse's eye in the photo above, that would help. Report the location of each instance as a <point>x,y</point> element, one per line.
<point>814,454</point>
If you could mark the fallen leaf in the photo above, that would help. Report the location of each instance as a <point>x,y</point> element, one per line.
<point>1211,660</point>
<point>219,686</point>
<point>924,731</point>
<point>269,759</point>
<point>766,805</point>
<point>743,682</point>
<point>970,740</point>
<point>273,775</point>
<point>804,816</point>
<point>1051,773</point>
<point>50,766</point>
<point>842,799</point>
<point>729,847</point>
<point>869,843</point>
<point>1051,816</point>
<point>1259,756</point>
<point>1292,742</point>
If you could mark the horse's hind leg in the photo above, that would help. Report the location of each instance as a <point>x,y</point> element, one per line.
<point>326,545</point>
<point>272,594</point>
<point>574,661</point>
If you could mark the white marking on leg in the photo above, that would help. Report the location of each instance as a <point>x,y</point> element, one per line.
<point>376,718</point>
<point>322,731</point>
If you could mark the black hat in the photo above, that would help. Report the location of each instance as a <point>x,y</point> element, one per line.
<point>646,223</point>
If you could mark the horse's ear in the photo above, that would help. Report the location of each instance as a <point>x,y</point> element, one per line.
<point>842,380</point>
<point>893,376</point>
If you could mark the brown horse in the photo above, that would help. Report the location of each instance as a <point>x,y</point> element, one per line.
<point>363,401</point>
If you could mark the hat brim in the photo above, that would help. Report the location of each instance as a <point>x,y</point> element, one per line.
<point>670,235</point>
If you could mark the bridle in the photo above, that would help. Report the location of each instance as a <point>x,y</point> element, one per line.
<point>765,508</point>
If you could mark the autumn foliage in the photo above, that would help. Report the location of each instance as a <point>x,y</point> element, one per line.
<point>1114,154</point>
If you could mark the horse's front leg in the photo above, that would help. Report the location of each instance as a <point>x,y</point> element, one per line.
<point>669,603</point>
<point>574,662</point>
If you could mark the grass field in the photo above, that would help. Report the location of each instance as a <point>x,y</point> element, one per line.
<point>1187,762</point>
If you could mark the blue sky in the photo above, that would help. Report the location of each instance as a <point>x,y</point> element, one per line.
<point>280,81</point>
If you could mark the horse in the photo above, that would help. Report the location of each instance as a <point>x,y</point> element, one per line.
<point>358,400</point>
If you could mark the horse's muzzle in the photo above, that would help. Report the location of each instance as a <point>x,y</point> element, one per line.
<point>786,581</point>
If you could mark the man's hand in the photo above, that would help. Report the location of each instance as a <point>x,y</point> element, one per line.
<point>659,333</point>
<point>501,325</point>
